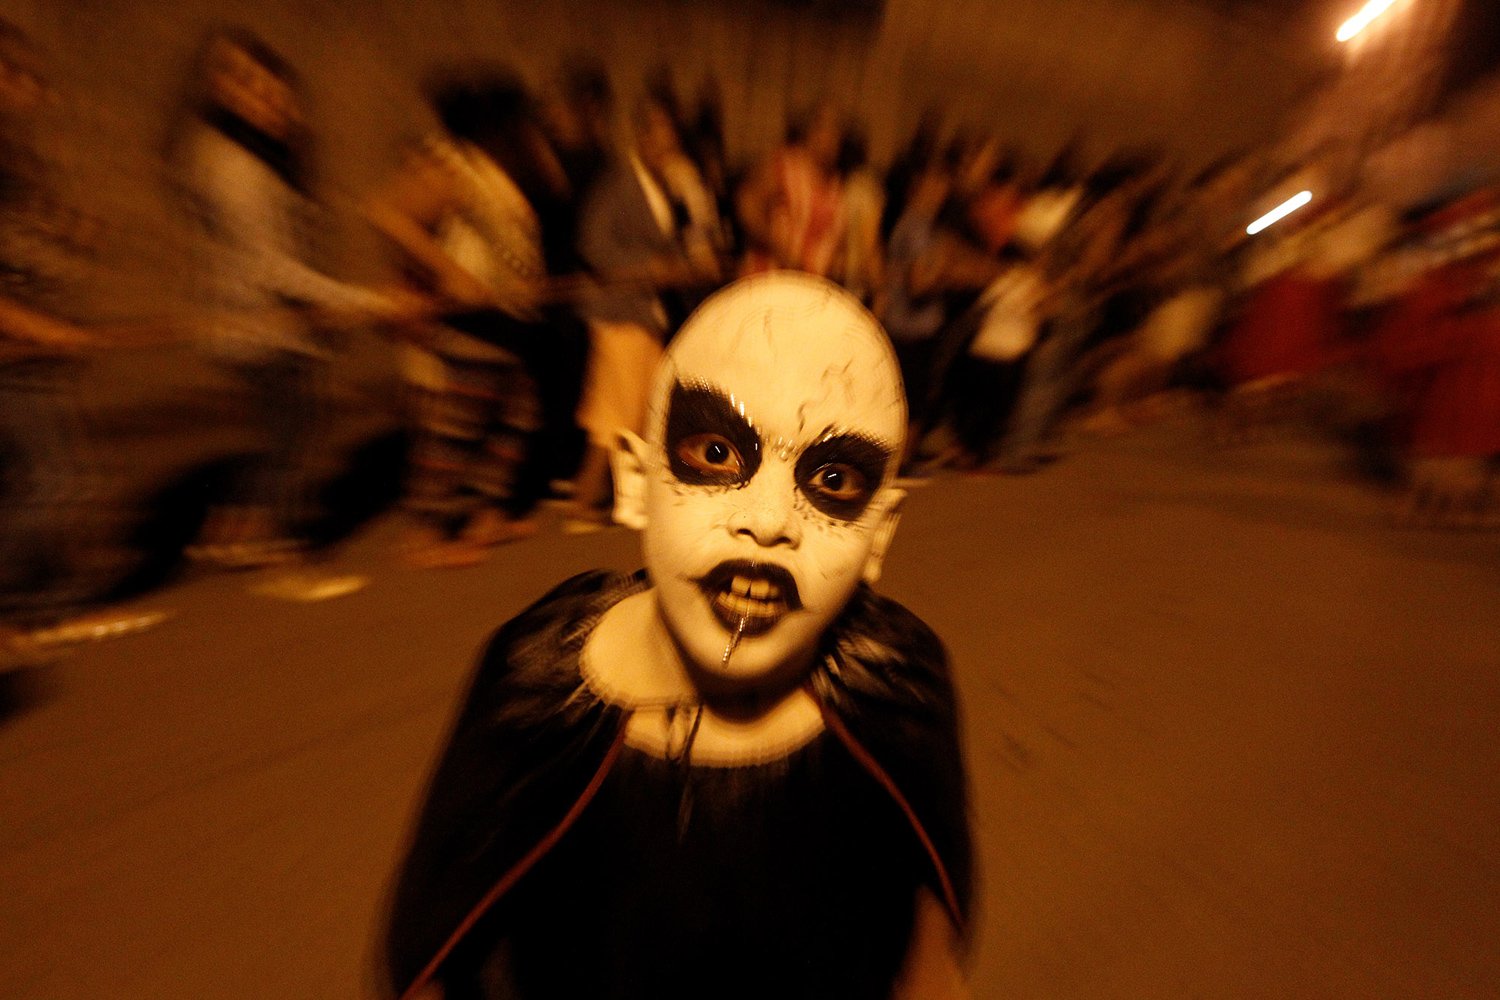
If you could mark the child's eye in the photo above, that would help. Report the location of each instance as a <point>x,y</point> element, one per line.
<point>839,482</point>
<point>711,454</point>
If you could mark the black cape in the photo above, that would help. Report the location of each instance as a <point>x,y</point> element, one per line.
<point>532,745</point>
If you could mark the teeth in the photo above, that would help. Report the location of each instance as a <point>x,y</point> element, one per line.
<point>738,605</point>
<point>753,589</point>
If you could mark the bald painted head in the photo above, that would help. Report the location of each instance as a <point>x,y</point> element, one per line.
<point>764,484</point>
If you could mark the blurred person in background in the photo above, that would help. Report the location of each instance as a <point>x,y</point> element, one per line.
<point>54,553</point>
<point>243,163</point>
<point>913,158</point>
<point>1291,325</point>
<point>462,213</point>
<point>1004,322</point>
<point>972,160</point>
<point>994,196</point>
<point>703,231</point>
<point>1080,264</point>
<point>579,120</point>
<point>1187,284</point>
<point>915,309</point>
<point>1439,350</point>
<point>860,265</point>
<point>1046,208</point>
<point>1147,243</point>
<point>987,377</point>
<point>638,237</point>
<point>659,85</point>
<point>790,208</point>
<point>971,380</point>
<point>578,116</point>
<point>1142,363</point>
<point>703,141</point>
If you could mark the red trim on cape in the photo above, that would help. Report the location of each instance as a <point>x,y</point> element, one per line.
<point>867,760</point>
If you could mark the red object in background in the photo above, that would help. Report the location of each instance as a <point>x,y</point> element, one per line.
<point>1474,205</point>
<point>1442,362</point>
<point>994,213</point>
<point>1290,327</point>
<point>807,218</point>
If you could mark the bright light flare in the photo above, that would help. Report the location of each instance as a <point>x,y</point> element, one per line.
<point>1359,22</point>
<point>1280,212</point>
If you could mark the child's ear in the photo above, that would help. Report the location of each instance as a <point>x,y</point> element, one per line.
<point>628,463</point>
<point>885,529</point>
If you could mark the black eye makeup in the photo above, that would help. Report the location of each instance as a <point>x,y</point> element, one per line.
<point>708,441</point>
<point>839,475</point>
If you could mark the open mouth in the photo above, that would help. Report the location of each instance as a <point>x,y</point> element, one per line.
<point>756,594</point>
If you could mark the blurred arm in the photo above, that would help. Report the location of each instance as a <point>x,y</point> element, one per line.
<point>408,211</point>
<point>253,230</point>
<point>952,265</point>
<point>20,325</point>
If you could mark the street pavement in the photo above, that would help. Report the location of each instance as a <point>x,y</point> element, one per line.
<point>1230,732</point>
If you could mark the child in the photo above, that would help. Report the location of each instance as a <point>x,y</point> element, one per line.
<point>736,773</point>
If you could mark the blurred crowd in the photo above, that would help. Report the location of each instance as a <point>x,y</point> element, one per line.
<point>545,246</point>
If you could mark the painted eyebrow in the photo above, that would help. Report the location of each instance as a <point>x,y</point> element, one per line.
<point>850,446</point>
<point>859,439</point>
<point>701,404</point>
<point>705,403</point>
<point>701,407</point>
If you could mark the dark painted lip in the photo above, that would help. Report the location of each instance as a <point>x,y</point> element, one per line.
<point>715,585</point>
<point>719,578</point>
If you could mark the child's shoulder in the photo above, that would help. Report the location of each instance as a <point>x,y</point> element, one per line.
<point>535,655</point>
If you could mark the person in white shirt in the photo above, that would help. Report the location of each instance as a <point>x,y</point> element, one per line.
<point>243,171</point>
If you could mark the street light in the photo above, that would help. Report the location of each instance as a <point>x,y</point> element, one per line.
<point>1280,212</point>
<point>1359,22</point>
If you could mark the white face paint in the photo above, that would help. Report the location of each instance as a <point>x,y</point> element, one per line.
<point>775,426</point>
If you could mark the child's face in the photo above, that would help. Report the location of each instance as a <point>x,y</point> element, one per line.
<point>774,436</point>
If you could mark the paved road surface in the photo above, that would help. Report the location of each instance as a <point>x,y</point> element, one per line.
<point>1230,736</point>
